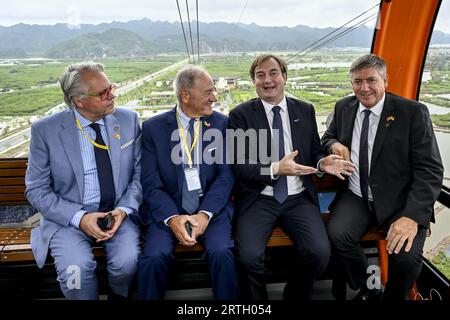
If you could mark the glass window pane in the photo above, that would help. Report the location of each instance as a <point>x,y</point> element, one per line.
<point>34,52</point>
<point>435,93</point>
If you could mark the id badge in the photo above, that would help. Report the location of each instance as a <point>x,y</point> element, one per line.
<point>192,179</point>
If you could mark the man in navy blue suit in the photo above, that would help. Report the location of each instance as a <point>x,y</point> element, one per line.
<point>183,184</point>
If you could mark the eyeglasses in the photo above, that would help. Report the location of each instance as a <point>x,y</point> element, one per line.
<point>103,95</point>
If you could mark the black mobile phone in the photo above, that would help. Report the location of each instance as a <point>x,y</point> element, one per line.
<point>188,227</point>
<point>106,223</point>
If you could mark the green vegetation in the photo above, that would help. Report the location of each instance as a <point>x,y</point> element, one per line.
<point>111,43</point>
<point>30,82</point>
<point>30,101</point>
<point>228,66</point>
<point>19,77</point>
<point>441,120</point>
<point>442,262</point>
<point>239,96</point>
<point>44,72</point>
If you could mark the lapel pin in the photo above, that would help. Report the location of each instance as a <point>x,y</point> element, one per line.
<point>296,120</point>
<point>207,124</point>
<point>116,128</point>
<point>116,136</point>
<point>389,120</point>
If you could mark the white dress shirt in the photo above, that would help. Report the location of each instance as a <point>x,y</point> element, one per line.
<point>294,183</point>
<point>374,119</point>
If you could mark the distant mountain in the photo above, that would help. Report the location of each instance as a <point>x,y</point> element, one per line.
<point>440,37</point>
<point>111,43</point>
<point>166,36</point>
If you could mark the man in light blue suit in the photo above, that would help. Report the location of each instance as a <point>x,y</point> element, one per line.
<point>84,163</point>
<point>181,187</point>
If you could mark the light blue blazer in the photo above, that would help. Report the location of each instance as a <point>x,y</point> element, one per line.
<point>55,175</point>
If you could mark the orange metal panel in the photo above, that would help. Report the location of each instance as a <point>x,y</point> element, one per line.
<point>401,39</point>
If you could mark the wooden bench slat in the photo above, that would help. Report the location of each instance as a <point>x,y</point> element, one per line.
<point>12,189</point>
<point>19,172</point>
<point>12,198</point>
<point>13,163</point>
<point>16,256</point>
<point>15,181</point>
<point>16,247</point>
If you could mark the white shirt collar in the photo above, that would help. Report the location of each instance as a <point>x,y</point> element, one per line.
<point>376,109</point>
<point>86,122</point>
<point>268,107</point>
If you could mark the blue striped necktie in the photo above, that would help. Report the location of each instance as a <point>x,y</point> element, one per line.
<point>280,190</point>
<point>104,172</point>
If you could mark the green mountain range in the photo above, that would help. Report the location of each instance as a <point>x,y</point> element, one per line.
<point>111,43</point>
<point>144,37</point>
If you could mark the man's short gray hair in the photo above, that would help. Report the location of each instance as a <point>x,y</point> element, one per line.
<point>369,61</point>
<point>185,78</point>
<point>71,83</point>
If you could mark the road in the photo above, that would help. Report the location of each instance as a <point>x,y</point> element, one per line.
<point>18,138</point>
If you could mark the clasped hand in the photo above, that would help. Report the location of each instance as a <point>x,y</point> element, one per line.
<point>199,223</point>
<point>88,224</point>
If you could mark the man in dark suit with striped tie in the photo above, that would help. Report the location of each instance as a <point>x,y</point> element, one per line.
<point>399,174</point>
<point>279,189</point>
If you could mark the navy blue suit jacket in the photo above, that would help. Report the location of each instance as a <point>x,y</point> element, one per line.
<point>162,180</point>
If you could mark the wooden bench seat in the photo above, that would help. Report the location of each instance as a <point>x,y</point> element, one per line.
<point>15,246</point>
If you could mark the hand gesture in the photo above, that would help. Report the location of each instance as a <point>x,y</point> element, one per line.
<point>336,166</point>
<point>288,167</point>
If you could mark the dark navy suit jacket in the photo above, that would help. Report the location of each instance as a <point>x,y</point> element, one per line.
<point>162,180</point>
<point>305,139</point>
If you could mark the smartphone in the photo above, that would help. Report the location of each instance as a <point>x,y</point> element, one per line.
<point>188,227</point>
<point>106,223</point>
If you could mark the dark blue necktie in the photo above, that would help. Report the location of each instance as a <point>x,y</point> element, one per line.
<point>364,157</point>
<point>104,172</point>
<point>190,199</point>
<point>280,191</point>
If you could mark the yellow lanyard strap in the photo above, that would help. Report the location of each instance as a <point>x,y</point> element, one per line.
<point>98,145</point>
<point>183,137</point>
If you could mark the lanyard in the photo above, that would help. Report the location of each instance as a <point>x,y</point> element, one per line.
<point>98,145</point>
<point>183,137</point>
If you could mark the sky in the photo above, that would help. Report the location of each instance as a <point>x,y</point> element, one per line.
<point>315,13</point>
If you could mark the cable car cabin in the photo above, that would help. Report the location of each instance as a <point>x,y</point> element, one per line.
<point>416,70</point>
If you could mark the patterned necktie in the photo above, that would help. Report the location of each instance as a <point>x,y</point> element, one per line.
<point>190,199</point>
<point>280,191</point>
<point>104,172</point>
<point>364,157</point>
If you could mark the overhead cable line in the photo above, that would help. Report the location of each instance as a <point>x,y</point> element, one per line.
<point>198,34</point>
<point>343,33</point>
<point>329,34</point>
<point>190,31</point>
<point>184,33</point>
<point>239,20</point>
